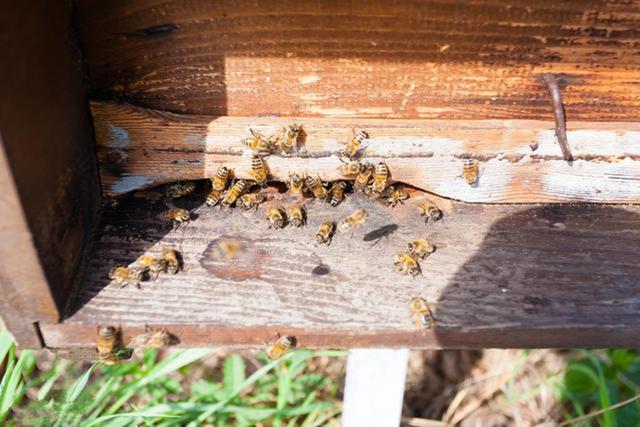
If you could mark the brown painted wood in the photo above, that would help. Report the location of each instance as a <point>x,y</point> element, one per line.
<point>520,161</point>
<point>502,276</point>
<point>49,176</point>
<point>479,59</point>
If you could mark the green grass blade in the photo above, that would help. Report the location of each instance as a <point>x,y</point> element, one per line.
<point>608,418</point>
<point>248,382</point>
<point>6,344</point>
<point>55,373</point>
<point>172,363</point>
<point>79,385</point>
<point>233,373</point>
<point>12,392</point>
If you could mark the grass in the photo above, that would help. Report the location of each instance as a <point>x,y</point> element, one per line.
<point>174,390</point>
<point>168,391</point>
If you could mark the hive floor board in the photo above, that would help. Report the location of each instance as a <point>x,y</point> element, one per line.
<point>502,276</point>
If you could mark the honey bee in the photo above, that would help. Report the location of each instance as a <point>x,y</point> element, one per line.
<point>280,347</point>
<point>380,178</point>
<point>292,134</point>
<point>325,232</point>
<point>396,196</point>
<point>420,248</point>
<point>296,216</point>
<point>422,313</point>
<point>407,263</point>
<point>259,170</point>
<point>176,216</point>
<point>259,143</point>
<point>179,189</point>
<point>336,194</point>
<point>233,193</point>
<point>229,249</point>
<point>154,338</point>
<point>219,182</point>
<point>358,217</point>
<point>296,183</point>
<point>214,197</point>
<point>108,344</point>
<point>316,186</point>
<point>124,276</point>
<point>154,265</point>
<point>251,200</point>
<point>276,218</point>
<point>470,171</point>
<point>171,259</point>
<point>364,177</point>
<point>350,167</point>
<point>428,210</point>
<point>355,144</point>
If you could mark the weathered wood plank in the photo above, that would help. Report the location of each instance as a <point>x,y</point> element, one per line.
<point>138,148</point>
<point>502,276</point>
<point>477,59</point>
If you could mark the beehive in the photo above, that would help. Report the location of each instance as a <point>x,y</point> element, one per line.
<point>105,98</point>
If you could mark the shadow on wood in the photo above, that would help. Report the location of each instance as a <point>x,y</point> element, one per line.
<point>548,277</point>
<point>139,229</point>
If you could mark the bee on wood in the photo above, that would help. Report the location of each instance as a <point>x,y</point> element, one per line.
<point>154,338</point>
<point>396,196</point>
<point>420,248</point>
<point>355,144</point>
<point>259,143</point>
<point>259,170</point>
<point>316,186</point>
<point>407,263</point>
<point>296,183</point>
<point>380,178</point>
<point>358,217</point>
<point>363,178</point>
<point>219,182</point>
<point>174,190</point>
<point>233,193</point>
<point>250,200</point>
<point>291,136</point>
<point>325,232</point>
<point>276,218</point>
<point>336,194</point>
<point>350,167</point>
<point>171,259</point>
<point>108,344</point>
<point>214,197</point>
<point>176,216</point>
<point>422,313</point>
<point>229,250</point>
<point>470,171</point>
<point>124,276</point>
<point>154,265</point>
<point>428,210</point>
<point>281,346</point>
<point>296,216</point>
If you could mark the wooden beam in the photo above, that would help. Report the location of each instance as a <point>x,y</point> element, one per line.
<point>502,276</point>
<point>520,161</point>
<point>479,59</point>
<point>47,160</point>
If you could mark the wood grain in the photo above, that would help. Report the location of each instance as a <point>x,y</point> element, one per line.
<point>479,59</point>
<point>502,276</point>
<point>520,161</point>
<point>49,176</point>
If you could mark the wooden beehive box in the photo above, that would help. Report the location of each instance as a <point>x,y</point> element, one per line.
<point>98,99</point>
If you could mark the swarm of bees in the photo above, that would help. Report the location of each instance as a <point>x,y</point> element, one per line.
<point>226,191</point>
